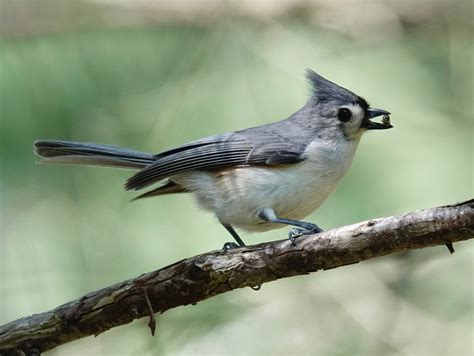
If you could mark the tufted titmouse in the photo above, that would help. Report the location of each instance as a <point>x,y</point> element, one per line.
<point>255,179</point>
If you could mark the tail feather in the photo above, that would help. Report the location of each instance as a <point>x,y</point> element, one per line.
<point>87,153</point>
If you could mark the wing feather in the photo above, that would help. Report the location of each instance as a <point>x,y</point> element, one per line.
<point>231,149</point>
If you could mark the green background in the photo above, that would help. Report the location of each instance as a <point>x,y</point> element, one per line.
<point>69,230</point>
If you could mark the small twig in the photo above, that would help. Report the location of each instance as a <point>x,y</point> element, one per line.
<point>450,247</point>
<point>152,322</point>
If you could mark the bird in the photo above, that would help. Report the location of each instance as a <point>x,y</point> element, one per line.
<point>256,179</point>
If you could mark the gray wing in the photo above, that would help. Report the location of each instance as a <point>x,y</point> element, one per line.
<point>262,145</point>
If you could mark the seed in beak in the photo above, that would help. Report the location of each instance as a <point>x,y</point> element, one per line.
<point>386,120</point>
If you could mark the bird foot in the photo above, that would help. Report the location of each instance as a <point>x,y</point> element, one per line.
<point>310,229</point>
<point>229,246</point>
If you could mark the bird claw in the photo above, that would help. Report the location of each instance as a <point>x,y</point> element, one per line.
<point>229,246</point>
<point>297,232</point>
<point>294,233</point>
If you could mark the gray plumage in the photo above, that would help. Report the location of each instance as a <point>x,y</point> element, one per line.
<point>257,146</point>
<point>276,143</point>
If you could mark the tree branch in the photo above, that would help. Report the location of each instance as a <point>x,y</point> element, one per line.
<point>198,278</point>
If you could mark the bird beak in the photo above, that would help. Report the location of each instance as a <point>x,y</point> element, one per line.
<point>371,125</point>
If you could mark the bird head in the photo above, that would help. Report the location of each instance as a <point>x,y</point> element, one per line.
<point>339,108</point>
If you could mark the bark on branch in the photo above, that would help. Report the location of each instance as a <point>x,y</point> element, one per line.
<point>197,278</point>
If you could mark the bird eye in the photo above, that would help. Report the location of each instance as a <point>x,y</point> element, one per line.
<point>344,114</point>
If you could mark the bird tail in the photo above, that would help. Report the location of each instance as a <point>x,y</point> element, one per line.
<point>91,154</point>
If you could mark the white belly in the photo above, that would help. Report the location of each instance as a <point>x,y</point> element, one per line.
<point>293,191</point>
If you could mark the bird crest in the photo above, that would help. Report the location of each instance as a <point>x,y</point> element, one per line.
<point>325,91</point>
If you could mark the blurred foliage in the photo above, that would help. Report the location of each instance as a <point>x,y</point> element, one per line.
<point>69,230</point>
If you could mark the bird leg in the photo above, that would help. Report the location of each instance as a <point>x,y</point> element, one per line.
<point>230,245</point>
<point>303,228</point>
